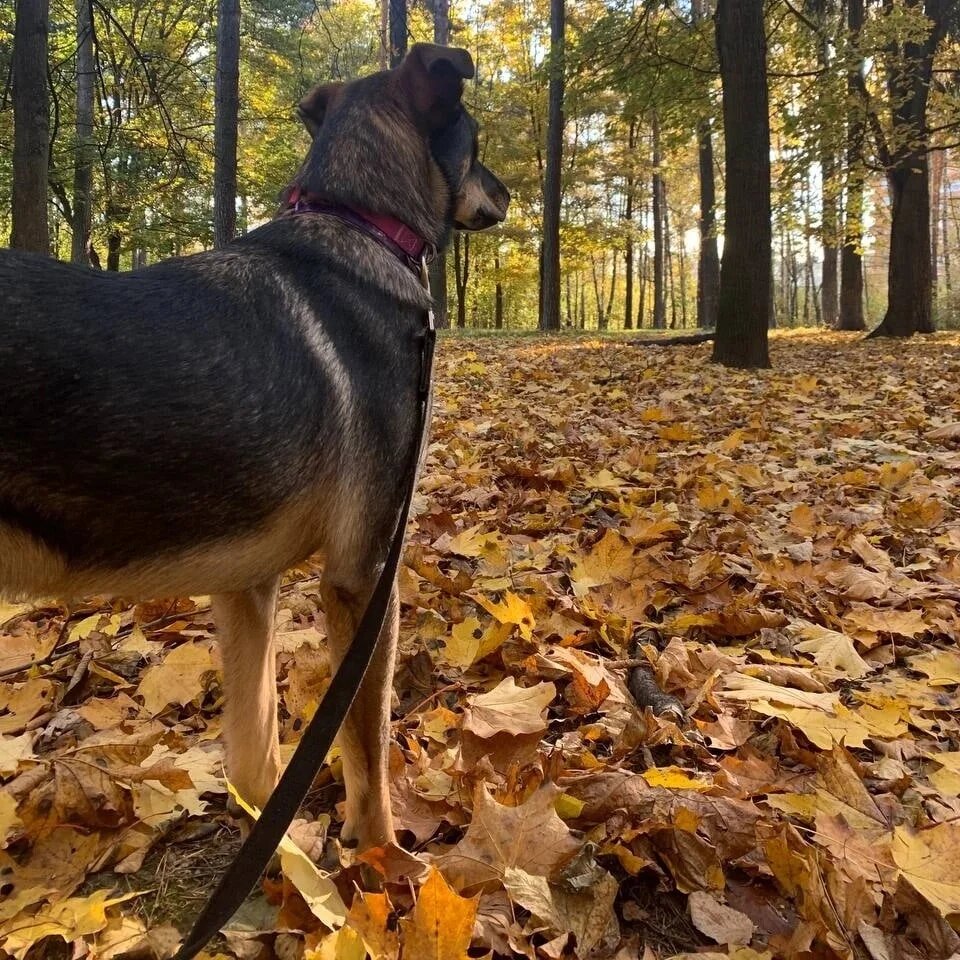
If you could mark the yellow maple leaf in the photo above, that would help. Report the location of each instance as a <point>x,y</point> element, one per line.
<point>441,925</point>
<point>930,860</point>
<point>178,678</point>
<point>941,666</point>
<point>832,651</point>
<point>611,558</point>
<point>511,609</point>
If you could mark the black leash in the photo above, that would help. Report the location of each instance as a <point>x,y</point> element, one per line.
<point>267,832</point>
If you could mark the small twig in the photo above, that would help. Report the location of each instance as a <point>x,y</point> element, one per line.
<point>628,664</point>
<point>57,652</point>
<point>78,674</point>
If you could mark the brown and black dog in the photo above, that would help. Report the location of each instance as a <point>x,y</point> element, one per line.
<point>202,425</point>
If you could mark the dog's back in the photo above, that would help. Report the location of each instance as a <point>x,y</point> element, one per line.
<point>186,404</point>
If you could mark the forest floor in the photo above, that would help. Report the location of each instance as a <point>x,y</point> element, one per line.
<point>782,548</point>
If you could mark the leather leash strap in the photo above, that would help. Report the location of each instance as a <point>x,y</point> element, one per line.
<point>267,832</point>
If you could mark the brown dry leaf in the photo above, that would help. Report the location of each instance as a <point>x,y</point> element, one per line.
<point>720,923</point>
<point>530,837</point>
<point>508,708</point>
<point>441,925</point>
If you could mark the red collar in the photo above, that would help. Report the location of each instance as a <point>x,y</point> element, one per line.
<point>402,241</point>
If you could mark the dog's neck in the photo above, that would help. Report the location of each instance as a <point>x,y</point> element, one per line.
<point>374,159</point>
<point>403,242</point>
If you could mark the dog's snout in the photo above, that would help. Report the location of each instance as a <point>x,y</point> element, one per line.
<point>498,196</point>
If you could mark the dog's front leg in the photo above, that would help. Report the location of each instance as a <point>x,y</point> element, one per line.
<point>245,622</point>
<point>365,736</point>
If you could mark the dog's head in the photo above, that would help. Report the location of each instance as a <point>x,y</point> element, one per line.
<point>401,142</point>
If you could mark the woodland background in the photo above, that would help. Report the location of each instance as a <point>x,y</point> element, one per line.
<point>679,674</point>
<point>862,104</point>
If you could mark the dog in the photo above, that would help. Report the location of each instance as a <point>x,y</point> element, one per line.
<point>201,425</point>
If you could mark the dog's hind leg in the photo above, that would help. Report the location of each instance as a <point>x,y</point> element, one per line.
<point>365,736</point>
<point>245,622</point>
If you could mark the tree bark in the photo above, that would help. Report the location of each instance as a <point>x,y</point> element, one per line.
<point>398,31</point>
<point>82,208</point>
<point>851,258</point>
<point>550,271</point>
<point>745,270</point>
<point>114,240</point>
<point>628,220</point>
<point>226,120</point>
<point>438,268</point>
<point>909,282</point>
<point>708,263</point>
<point>708,258</point>
<point>31,128</point>
<point>659,260</point>
<point>461,269</point>
<point>498,294</point>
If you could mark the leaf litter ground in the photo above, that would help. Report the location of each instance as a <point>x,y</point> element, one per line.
<point>779,550</point>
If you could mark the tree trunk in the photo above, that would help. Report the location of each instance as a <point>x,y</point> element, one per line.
<point>829,290</point>
<point>945,237</point>
<point>909,307</point>
<point>708,263</point>
<point>461,269</point>
<point>114,240</point>
<point>851,257</point>
<point>383,56</point>
<point>708,259</point>
<point>550,268</point>
<point>628,219</point>
<point>31,128</point>
<point>498,295</point>
<point>745,270</point>
<point>936,216</point>
<point>438,268</point>
<point>659,261</point>
<point>909,286</point>
<point>226,119</point>
<point>83,160</point>
<point>398,31</point>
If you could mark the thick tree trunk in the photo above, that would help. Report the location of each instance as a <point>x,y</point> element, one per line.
<point>745,270</point>
<point>83,160</point>
<point>226,119</point>
<point>659,260</point>
<point>550,266</point>
<point>909,307</point>
<point>31,128</point>
<point>398,31</point>
<point>909,286</point>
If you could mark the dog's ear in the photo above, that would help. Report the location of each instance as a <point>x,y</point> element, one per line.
<point>432,77</point>
<point>313,108</point>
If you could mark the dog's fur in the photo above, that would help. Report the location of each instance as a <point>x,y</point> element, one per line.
<point>201,425</point>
